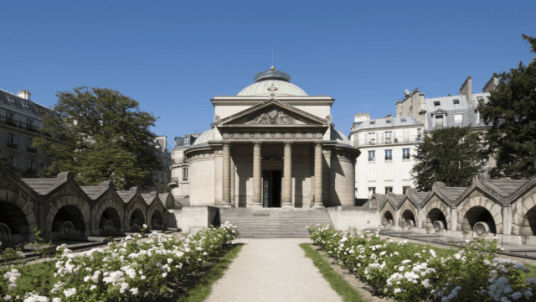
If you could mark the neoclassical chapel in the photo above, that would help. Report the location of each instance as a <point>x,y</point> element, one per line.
<point>273,146</point>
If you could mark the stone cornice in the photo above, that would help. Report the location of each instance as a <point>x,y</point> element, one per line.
<point>276,103</point>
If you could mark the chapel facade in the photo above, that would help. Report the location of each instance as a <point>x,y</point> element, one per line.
<point>272,145</point>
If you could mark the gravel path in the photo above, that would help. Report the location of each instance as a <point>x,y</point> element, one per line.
<point>272,270</point>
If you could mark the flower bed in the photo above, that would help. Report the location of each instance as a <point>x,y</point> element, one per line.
<point>129,271</point>
<point>409,272</point>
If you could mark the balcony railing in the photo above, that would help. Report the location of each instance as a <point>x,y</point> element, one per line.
<point>388,141</point>
<point>12,145</point>
<point>180,160</point>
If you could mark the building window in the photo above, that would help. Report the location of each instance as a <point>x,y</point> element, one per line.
<point>388,190</point>
<point>403,120</point>
<point>184,174</point>
<point>372,138</point>
<point>388,155</point>
<point>10,118</point>
<point>439,121</point>
<point>458,118</point>
<point>372,123</point>
<point>11,141</point>
<point>388,137</point>
<point>405,153</point>
<point>12,160</point>
<point>371,191</point>
<point>388,121</point>
<point>456,102</point>
<point>405,190</point>
<point>372,155</point>
<point>437,103</point>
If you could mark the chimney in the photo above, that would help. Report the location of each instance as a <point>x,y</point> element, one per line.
<point>466,90</point>
<point>491,85</point>
<point>25,94</point>
<point>361,117</point>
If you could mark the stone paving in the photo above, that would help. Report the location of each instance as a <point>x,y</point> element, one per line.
<point>272,270</point>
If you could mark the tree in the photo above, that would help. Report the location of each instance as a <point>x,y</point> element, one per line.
<point>105,135</point>
<point>511,115</point>
<point>450,155</point>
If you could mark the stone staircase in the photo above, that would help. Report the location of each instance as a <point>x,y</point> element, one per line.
<point>274,222</point>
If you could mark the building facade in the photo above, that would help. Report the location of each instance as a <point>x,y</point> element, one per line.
<point>180,184</point>
<point>162,177</point>
<point>271,145</point>
<point>387,146</point>
<point>20,123</point>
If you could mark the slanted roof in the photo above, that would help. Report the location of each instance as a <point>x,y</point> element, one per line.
<point>508,186</point>
<point>383,123</point>
<point>467,110</point>
<point>149,197</point>
<point>22,106</point>
<point>44,186</point>
<point>125,195</point>
<point>92,191</point>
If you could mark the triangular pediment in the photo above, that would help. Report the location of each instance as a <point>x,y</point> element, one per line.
<point>273,113</point>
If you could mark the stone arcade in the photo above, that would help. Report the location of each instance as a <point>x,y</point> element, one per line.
<point>272,145</point>
<point>64,210</point>
<point>503,208</point>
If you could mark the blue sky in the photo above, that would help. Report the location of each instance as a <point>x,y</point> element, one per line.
<point>173,56</point>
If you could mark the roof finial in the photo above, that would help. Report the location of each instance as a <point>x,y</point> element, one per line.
<point>272,68</point>
<point>272,89</point>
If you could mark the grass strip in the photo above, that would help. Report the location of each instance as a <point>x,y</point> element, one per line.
<point>203,288</point>
<point>337,282</point>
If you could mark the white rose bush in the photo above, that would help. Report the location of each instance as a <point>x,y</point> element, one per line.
<point>415,272</point>
<point>131,270</point>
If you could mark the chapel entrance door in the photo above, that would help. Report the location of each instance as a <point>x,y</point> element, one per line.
<point>271,188</point>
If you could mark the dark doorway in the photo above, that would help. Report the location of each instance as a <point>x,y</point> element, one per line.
<point>271,188</point>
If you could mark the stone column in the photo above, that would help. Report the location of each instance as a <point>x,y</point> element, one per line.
<point>232,172</point>
<point>287,177</point>
<point>257,176</point>
<point>226,179</point>
<point>318,177</point>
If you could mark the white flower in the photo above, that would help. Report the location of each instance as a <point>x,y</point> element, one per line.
<point>92,287</point>
<point>426,283</point>
<point>56,300</point>
<point>397,290</point>
<point>6,297</point>
<point>134,291</point>
<point>69,292</point>
<point>164,275</point>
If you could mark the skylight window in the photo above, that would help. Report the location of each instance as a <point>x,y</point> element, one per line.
<point>388,121</point>
<point>25,105</point>
<point>456,101</point>
<point>437,103</point>
<point>372,123</point>
<point>403,120</point>
<point>12,101</point>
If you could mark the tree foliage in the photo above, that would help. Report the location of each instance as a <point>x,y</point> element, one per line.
<point>450,155</point>
<point>511,114</point>
<point>105,137</point>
